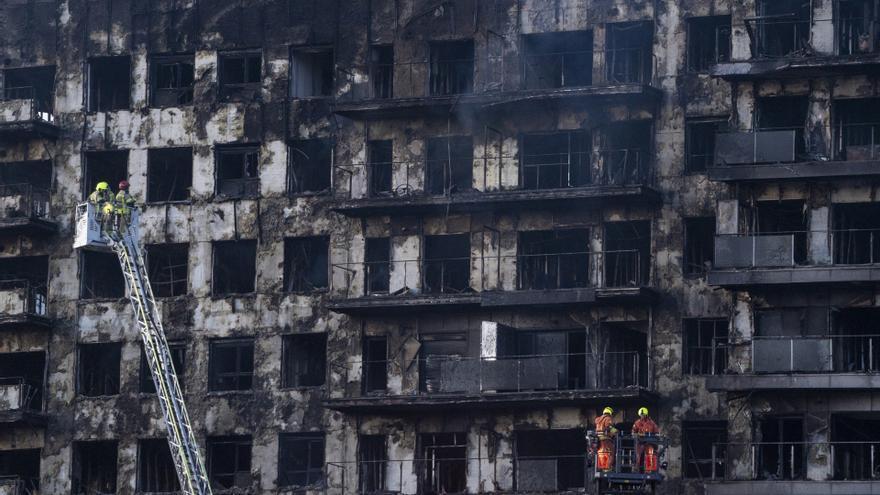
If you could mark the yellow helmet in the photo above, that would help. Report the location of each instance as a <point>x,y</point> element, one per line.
<point>102,186</point>
<point>607,410</point>
<point>643,411</point>
<point>108,208</point>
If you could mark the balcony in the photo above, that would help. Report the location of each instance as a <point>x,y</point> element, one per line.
<point>25,209</point>
<point>23,115</point>
<point>455,382</point>
<point>534,280</point>
<point>20,403</point>
<point>23,305</point>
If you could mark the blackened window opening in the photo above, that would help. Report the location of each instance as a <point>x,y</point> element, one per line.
<point>238,174</point>
<point>554,259</point>
<point>381,167</point>
<point>699,245</point>
<point>443,459</point>
<point>104,166</point>
<point>229,462</point>
<point>372,463</point>
<point>557,60</point>
<point>231,365</point>
<point>377,264</point>
<point>628,56</point>
<point>240,74</point>
<point>27,370</point>
<point>446,264</point>
<point>311,72</point>
<point>382,71</point>
<point>235,267</point>
<point>557,160</point>
<point>178,360</point>
<point>32,83</point>
<point>311,162</point>
<point>168,268</point>
<point>700,144</point>
<point>703,449</point>
<point>781,449</point>
<point>783,218</point>
<point>23,464</point>
<point>856,129</point>
<point>172,80</point>
<point>450,165</point>
<point>563,352</point>
<point>624,153</point>
<point>109,83</point>
<point>705,346</point>
<point>99,369</point>
<point>301,459</point>
<point>452,67</point>
<point>789,113</point>
<point>29,277</point>
<point>856,340</point>
<point>855,438</point>
<point>782,28</point>
<point>101,276</point>
<point>627,253</point>
<point>305,264</point>
<point>708,42</point>
<point>564,448</point>
<point>94,467</point>
<point>375,365</point>
<point>169,174</point>
<point>857,30</point>
<point>156,471</point>
<point>436,349</point>
<point>305,360</point>
<point>855,230</point>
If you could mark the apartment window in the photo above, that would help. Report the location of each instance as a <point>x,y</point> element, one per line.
<point>450,165</point>
<point>699,245</point>
<point>855,438</point>
<point>109,83</point>
<point>311,164</point>
<point>235,267</point>
<point>780,455</point>
<point>856,233</point>
<point>782,27</point>
<point>436,349</point>
<point>703,447</point>
<point>382,71</point>
<point>101,276</point>
<point>156,471</point>
<point>305,264</point>
<point>708,42</point>
<point>301,459</point>
<point>178,360</point>
<point>305,360</point>
<point>381,167</point>
<point>628,56</point>
<point>377,264</point>
<point>564,448</point>
<point>372,461</point>
<point>231,365</point>
<point>240,74</point>
<point>31,83</point>
<point>627,253</point>
<point>22,464</point>
<point>94,467</point>
<point>625,153</point>
<point>172,80</point>
<point>784,113</point>
<point>699,144</point>
<point>786,218</point>
<point>857,31</point>
<point>855,129</point>
<point>311,72</point>
<point>229,462</point>
<point>452,67</point>
<point>705,341</point>
<point>558,60</point>
<point>167,265</point>
<point>551,161</point>
<point>104,166</point>
<point>443,463</point>
<point>169,174</point>
<point>25,276</point>
<point>238,174</point>
<point>566,352</point>
<point>375,365</point>
<point>446,263</point>
<point>554,259</point>
<point>99,369</point>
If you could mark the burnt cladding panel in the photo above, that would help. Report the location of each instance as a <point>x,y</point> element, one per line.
<point>736,148</point>
<point>733,252</point>
<point>536,475</point>
<point>774,250</point>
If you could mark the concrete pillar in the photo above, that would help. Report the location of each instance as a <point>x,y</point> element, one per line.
<point>819,238</point>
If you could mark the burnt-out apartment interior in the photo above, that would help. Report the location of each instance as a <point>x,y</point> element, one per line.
<point>417,246</point>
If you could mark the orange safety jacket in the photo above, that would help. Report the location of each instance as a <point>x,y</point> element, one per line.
<point>644,426</point>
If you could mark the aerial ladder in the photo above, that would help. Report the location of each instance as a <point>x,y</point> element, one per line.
<point>120,234</point>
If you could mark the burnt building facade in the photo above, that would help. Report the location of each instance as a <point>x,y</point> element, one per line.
<point>416,246</point>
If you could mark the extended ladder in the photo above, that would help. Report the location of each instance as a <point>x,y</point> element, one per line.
<point>181,439</point>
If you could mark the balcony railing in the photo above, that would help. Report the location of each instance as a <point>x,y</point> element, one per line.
<point>544,271</point>
<point>778,36</point>
<point>17,394</point>
<point>24,200</point>
<point>852,461</point>
<point>816,354</point>
<point>21,297</point>
<point>763,250</point>
<point>30,107</point>
<point>857,36</point>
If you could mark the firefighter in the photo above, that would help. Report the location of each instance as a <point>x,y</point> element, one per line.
<point>102,198</point>
<point>642,428</point>
<point>605,431</point>
<point>123,204</point>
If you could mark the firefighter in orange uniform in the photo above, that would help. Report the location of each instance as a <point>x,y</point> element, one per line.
<point>606,432</point>
<point>642,428</point>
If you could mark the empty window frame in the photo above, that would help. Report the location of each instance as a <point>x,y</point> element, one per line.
<point>564,448</point>
<point>94,467</point>
<point>780,455</point>
<point>372,463</point>
<point>629,53</point>
<point>169,174</point>
<point>781,27</point>
<point>555,160</point>
<point>103,166</point>
<point>229,462</point>
<point>240,74</point>
<point>28,277</point>
<point>856,233</point>
<point>311,72</point>
<point>231,365</point>
<point>625,152</point>
<point>856,340</point>
<point>31,83</point>
<point>109,83</point>
<point>557,60</point>
<point>382,71</point>
<point>786,113</point>
<point>436,349</point>
<point>22,464</point>
<point>300,459</point>
<point>311,165</point>
<point>98,369</point>
<point>856,27</point>
<point>855,438</point>
<point>708,42</point>
<point>178,360</point>
<point>305,360</point>
<point>699,144</point>
<point>101,276</point>
<point>566,351</point>
<point>380,167</point>
<point>375,364</point>
<point>785,218</point>
<point>705,346</point>
<point>699,245</point>
<point>703,449</point>
<point>238,171</point>
<point>172,80</point>
<point>452,67</point>
<point>443,460</point>
<point>306,263</point>
<point>29,370</point>
<point>377,265</point>
<point>553,259</point>
<point>235,267</point>
<point>156,471</point>
<point>168,267</point>
<point>449,165</point>
<point>627,253</point>
<point>446,263</point>
<point>856,129</point>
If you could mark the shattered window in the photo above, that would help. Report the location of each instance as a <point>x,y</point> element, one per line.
<point>169,174</point>
<point>781,28</point>
<point>446,263</point>
<point>240,74</point>
<point>708,42</point>
<point>450,165</point>
<point>235,267</point>
<point>94,467</point>
<point>700,144</point>
<point>705,341</point>
<point>172,80</point>
<point>558,60</point>
<point>627,253</point>
<point>305,264</point>
<point>301,459</point>
<point>701,460</point>
<point>305,360</point>
<point>311,164</point>
<point>452,67</point>
<point>238,171</point>
<point>156,471</point>
<point>556,160</point>
<point>857,32</point>
<point>229,462</point>
<point>167,265</point>
<point>231,365</point>
<point>99,369</point>
<point>554,259</point>
<point>629,52</point>
<point>443,463</point>
<point>101,276</point>
<point>109,83</point>
<point>311,72</point>
<point>699,245</point>
<point>178,360</point>
<point>31,83</point>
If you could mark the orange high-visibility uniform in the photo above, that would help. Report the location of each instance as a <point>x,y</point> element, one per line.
<point>606,432</point>
<point>645,426</point>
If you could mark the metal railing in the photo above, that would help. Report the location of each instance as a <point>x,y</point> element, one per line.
<point>16,485</point>
<point>39,109</point>
<point>34,201</point>
<point>33,298</point>
<point>855,246</point>
<point>857,461</point>
<point>816,354</point>
<point>628,66</point>
<point>18,394</point>
<point>778,36</point>
<point>538,271</point>
<point>856,36</point>
<point>760,250</point>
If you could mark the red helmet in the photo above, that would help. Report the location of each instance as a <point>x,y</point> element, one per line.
<point>123,185</point>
